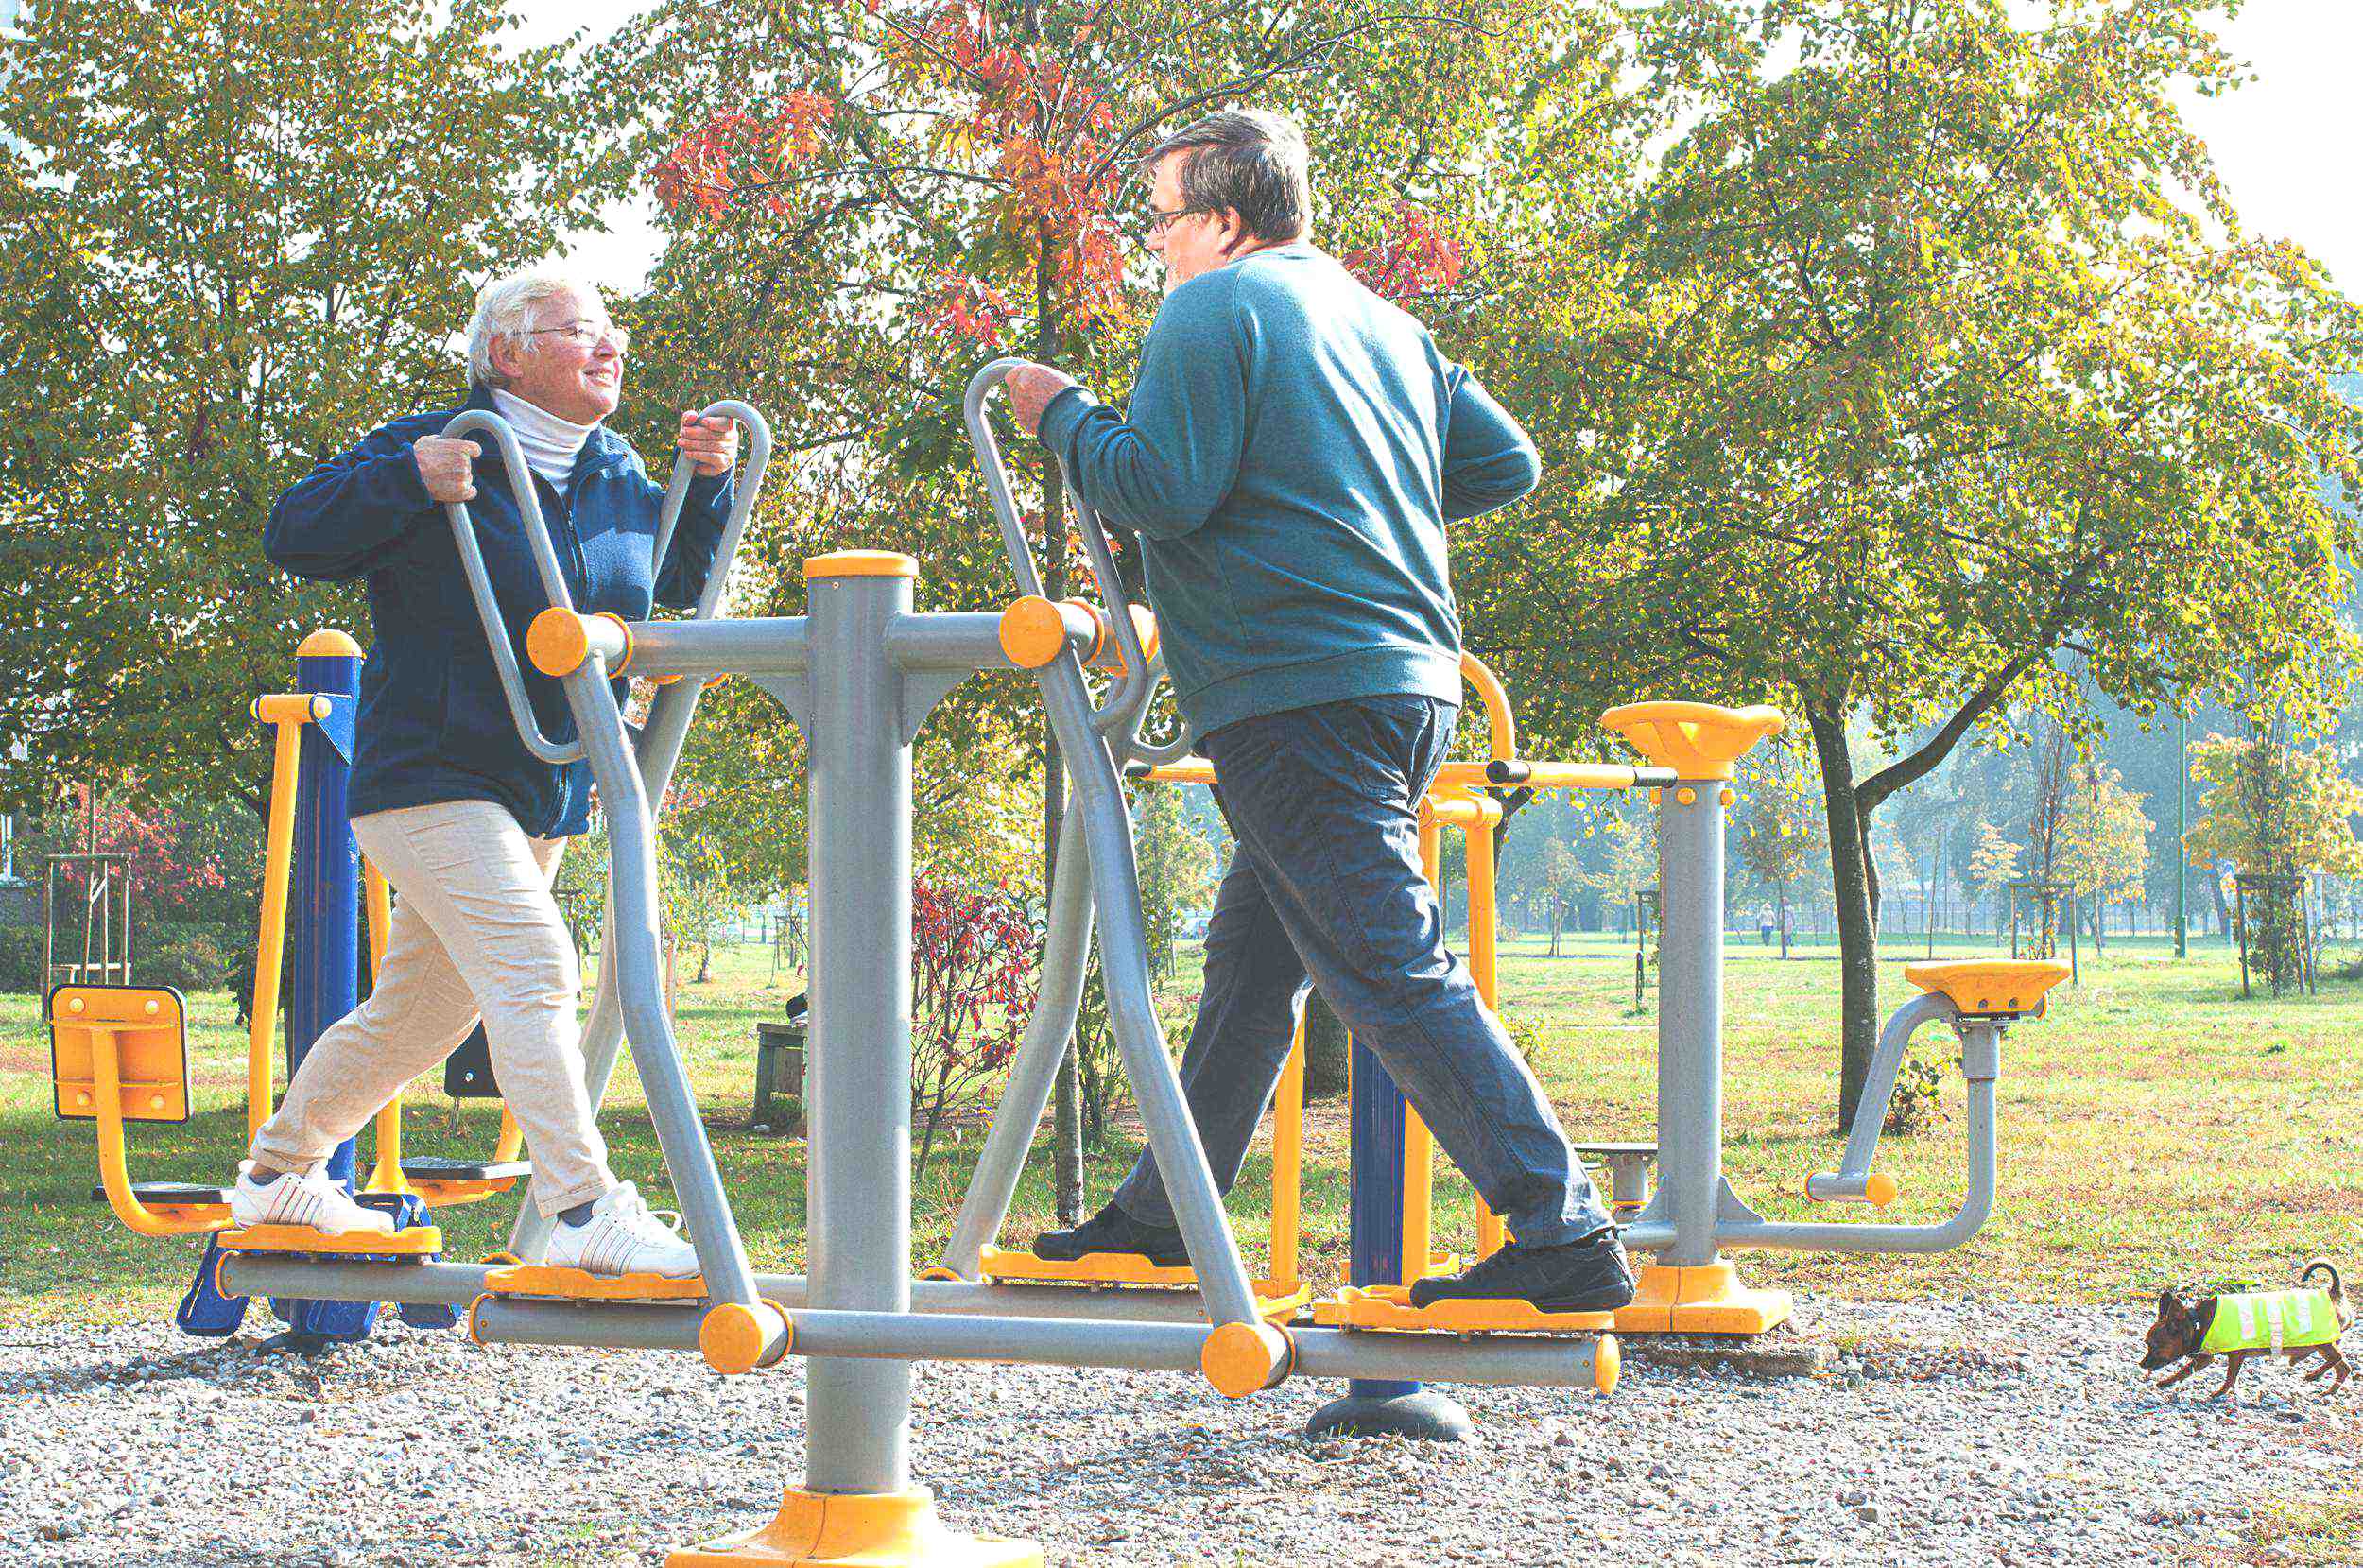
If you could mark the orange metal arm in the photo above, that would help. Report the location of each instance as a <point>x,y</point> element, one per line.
<point>113,1169</point>
<point>1287,1165</point>
<point>289,714</point>
<point>386,1176</point>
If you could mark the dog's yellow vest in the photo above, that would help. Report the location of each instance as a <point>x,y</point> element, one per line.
<point>2270,1320</point>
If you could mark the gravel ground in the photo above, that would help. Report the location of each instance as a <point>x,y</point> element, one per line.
<point>1946,1434</point>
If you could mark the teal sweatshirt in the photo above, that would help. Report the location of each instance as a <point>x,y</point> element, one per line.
<point>1292,450</point>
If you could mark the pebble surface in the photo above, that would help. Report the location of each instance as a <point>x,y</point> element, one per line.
<point>1944,1434</point>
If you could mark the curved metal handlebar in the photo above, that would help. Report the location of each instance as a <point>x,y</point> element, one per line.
<point>545,550</point>
<point>1133,685</point>
<point>742,502</point>
<point>480,584</point>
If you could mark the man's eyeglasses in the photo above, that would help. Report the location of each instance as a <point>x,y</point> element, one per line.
<point>589,334</point>
<point>1156,222</point>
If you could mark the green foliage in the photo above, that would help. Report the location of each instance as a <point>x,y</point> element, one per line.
<point>20,959</point>
<point>2274,809</point>
<point>232,237</point>
<point>190,957</point>
<point>1914,360</point>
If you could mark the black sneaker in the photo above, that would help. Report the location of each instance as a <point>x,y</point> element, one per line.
<point>1114,1230</point>
<point>1590,1275</point>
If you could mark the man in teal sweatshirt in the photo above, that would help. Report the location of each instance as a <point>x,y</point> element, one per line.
<point>1290,454</point>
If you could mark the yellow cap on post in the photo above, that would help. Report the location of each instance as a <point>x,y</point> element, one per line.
<point>1608,1360</point>
<point>731,1337</point>
<point>1241,1359</point>
<point>328,643</point>
<point>1032,632</point>
<point>861,563</point>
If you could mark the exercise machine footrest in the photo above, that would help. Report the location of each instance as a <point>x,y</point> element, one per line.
<point>543,1282</point>
<point>416,1241</point>
<point>1388,1306</point>
<point>1005,1265</point>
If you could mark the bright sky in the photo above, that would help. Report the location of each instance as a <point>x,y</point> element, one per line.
<point>2284,143</point>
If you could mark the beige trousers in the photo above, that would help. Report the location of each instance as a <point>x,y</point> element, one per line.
<point>474,931</point>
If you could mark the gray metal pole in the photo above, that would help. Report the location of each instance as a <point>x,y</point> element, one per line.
<point>639,967</point>
<point>2182,861</point>
<point>657,748</point>
<point>896,1340</point>
<point>859,1100</point>
<point>1197,1209</point>
<point>1690,1019</point>
<point>1034,1069</point>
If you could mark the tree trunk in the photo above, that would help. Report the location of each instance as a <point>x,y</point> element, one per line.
<point>1855,890</point>
<point>1325,1052</point>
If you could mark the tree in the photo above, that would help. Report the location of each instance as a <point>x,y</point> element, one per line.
<point>1915,366</point>
<point>1993,866</point>
<point>233,238</point>
<point>1560,873</point>
<point>2104,843</point>
<point>862,202</point>
<point>2278,811</point>
<point>1778,822</point>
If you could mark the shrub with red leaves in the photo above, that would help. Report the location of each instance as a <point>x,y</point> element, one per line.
<point>972,996</point>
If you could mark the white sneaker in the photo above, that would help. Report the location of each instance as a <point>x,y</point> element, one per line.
<point>313,1201</point>
<point>624,1236</point>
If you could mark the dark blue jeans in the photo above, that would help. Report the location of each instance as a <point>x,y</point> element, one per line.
<point>1325,888</point>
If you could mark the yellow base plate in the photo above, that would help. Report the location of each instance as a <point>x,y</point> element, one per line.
<point>1388,1306</point>
<point>883,1530</point>
<point>575,1285</point>
<point>1700,1298</point>
<point>1009,1267</point>
<point>417,1242</point>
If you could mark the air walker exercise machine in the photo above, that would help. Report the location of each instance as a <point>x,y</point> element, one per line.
<point>859,673</point>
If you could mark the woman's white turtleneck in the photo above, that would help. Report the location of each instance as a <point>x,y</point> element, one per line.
<point>551,444</point>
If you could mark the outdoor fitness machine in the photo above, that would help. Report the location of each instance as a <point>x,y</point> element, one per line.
<point>858,673</point>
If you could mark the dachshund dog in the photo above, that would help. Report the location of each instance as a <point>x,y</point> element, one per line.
<point>2293,1323</point>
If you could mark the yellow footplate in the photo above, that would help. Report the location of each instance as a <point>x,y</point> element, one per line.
<point>1273,1298</point>
<point>575,1285</point>
<point>417,1242</point>
<point>1388,1306</point>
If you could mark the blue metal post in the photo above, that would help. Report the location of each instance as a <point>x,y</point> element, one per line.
<point>324,895</point>
<point>1372,1406</point>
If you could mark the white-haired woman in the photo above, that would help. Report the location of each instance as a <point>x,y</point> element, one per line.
<point>466,823</point>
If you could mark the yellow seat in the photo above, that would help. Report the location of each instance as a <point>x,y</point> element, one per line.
<point>120,1053</point>
<point>1990,987</point>
<point>1697,740</point>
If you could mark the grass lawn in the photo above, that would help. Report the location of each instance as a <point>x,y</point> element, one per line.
<point>2157,1128</point>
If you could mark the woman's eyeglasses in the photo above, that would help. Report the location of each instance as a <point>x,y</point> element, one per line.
<point>589,335</point>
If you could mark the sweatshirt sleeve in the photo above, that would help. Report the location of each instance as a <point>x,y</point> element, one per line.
<point>1163,465</point>
<point>1489,459</point>
<point>690,559</point>
<point>347,515</point>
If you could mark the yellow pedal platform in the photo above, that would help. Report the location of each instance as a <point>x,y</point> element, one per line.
<point>575,1285</point>
<point>416,1241</point>
<point>1009,1267</point>
<point>1700,1298</point>
<point>1388,1306</point>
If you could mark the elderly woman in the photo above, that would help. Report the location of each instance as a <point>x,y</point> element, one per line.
<point>466,823</point>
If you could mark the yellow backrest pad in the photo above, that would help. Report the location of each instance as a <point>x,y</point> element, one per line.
<point>149,1026</point>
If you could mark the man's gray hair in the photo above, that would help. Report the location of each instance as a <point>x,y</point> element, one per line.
<point>1250,160</point>
<point>506,307</point>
